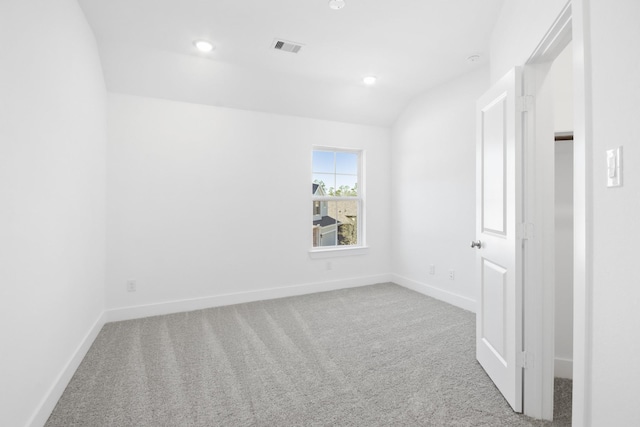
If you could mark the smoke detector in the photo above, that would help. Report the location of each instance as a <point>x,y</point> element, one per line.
<point>336,4</point>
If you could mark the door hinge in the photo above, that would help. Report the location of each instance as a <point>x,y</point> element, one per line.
<point>524,103</point>
<point>525,231</point>
<point>524,360</point>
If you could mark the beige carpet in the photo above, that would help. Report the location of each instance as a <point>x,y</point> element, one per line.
<point>379,355</point>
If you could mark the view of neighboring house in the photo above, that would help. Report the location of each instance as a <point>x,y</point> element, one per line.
<point>325,228</point>
<point>334,223</point>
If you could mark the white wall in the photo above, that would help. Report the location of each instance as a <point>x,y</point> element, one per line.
<point>562,81</point>
<point>564,259</point>
<point>52,209</point>
<point>520,28</point>
<point>609,55</point>
<point>615,66</point>
<point>206,201</point>
<point>433,190</point>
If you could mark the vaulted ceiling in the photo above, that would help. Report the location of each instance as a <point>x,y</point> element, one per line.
<point>146,47</point>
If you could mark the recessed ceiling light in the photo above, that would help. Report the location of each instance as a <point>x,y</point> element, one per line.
<point>204,46</point>
<point>369,80</point>
<point>336,4</point>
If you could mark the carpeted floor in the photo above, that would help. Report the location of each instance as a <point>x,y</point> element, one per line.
<point>562,394</point>
<point>379,355</point>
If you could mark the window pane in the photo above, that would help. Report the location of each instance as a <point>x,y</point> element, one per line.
<point>326,181</point>
<point>325,225</point>
<point>347,217</point>
<point>347,185</point>
<point>347,163</point>
<point>323,162</point>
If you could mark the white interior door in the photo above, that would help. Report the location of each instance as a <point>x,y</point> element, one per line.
<point>498,250</point>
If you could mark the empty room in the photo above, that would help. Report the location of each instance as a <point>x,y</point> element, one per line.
<point>319,213</point>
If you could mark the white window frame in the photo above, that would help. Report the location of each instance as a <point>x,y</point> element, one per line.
<point>339,250</point>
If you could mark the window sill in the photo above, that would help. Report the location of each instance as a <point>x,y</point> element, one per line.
<point>317,253</point>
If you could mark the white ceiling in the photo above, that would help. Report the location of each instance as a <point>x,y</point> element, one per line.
<point>147,49</point>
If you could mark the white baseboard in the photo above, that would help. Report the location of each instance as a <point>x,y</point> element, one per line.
<point>51,398</point>
<point>448,297</point>
<point>563,368</point>
<point>169,307</point>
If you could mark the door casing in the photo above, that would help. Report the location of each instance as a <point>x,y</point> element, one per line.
<point>570,26</point>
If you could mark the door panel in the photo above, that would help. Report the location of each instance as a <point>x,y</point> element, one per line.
<point>493,291</point>
<point>498,211</point>
<point>493,167</point>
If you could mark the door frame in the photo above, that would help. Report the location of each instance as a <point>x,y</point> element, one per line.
<point>571,25</point>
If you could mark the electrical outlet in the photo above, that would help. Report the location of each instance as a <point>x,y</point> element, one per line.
<point>329,266</point>
<point>452,275</point>
<point>432,269</point>
<point>131,285</point>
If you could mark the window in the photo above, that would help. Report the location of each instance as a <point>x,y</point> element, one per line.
<point>337,198</point>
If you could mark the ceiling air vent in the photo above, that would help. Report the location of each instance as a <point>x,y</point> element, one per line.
<point>286,46</point>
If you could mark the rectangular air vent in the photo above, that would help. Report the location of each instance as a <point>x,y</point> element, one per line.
<point>286,46</point>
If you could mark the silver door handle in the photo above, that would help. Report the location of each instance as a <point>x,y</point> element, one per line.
<point>476,244</point>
